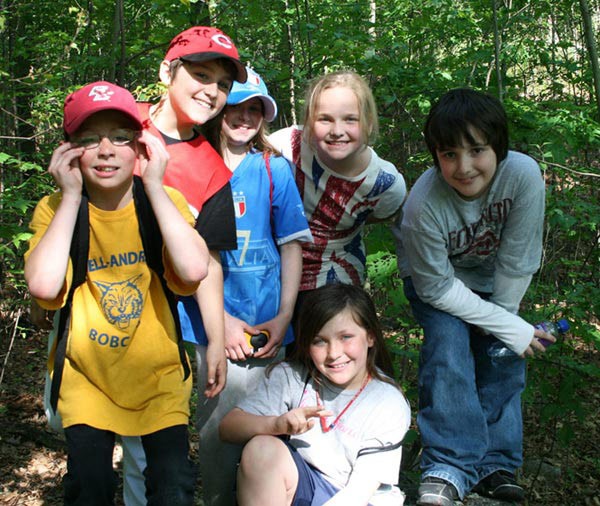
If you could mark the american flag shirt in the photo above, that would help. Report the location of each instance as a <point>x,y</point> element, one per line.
<point>337,208</point>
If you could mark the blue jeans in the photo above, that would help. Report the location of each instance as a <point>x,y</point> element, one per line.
<point>469,403</point>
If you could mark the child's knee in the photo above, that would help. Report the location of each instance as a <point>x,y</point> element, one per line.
<point>268,450</point>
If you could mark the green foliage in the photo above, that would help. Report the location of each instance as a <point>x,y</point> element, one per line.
<point>17,202</point>
<point>411,54</point>
<point>564,128</point>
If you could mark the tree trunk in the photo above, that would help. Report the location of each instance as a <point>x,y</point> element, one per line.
<point>123,48</point>
<point>200,14</point>
<point>497,49</point>
<point>112,71</point>
<point>372,19</point>
<point>590,41</point>
<point>292,69</point>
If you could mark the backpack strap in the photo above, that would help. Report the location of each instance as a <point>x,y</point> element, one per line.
<point>153,246</point>
<point>299,176</point>
<point>80,245</point>
<point>267,159</point>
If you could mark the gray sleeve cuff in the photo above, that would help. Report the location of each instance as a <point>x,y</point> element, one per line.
<point>461,302</point>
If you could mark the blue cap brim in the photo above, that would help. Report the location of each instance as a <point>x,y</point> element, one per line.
<point>270,106</point>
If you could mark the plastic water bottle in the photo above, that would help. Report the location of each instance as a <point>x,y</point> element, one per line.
<point>499,349</point>
<point>555,328</point>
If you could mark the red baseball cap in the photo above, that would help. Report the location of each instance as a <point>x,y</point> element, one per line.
<point>95,97</point>
<point>203,43</point>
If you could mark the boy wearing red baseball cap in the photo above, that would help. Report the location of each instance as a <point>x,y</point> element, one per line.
<point>118,367</point>
<point>198,70</point>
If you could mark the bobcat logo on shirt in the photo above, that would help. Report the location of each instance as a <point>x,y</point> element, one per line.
<point>101,93</point>
<point>239,203</point>
<point>121,302</point>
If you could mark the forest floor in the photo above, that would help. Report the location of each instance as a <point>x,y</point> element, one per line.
<point>32,456</point>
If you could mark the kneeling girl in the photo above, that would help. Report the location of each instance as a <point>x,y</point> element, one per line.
<point>326,426</point>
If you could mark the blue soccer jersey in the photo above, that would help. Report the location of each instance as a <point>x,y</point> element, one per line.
<point>268,213</point>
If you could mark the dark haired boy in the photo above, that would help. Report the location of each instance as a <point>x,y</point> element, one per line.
<point>468,242</point>
<point>122,371</point>
<point>198,71</point>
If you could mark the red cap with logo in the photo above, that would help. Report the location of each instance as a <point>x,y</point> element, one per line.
<point>96,97</point>
<point>203,43</point>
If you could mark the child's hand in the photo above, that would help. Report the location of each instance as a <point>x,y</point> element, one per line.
<point>216,375</point>
<point>276,329</point>
<point>64,168</point>
<point>236,346</point>
<point>299,420</point>
<point>153,158</point>
<point>535,346</point>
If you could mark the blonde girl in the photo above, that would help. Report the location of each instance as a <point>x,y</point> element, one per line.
<point>342,181</point>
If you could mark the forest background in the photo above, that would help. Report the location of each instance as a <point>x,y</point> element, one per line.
<point>539,57</point>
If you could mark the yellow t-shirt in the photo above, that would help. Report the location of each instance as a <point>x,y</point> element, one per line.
<point>122,367</point>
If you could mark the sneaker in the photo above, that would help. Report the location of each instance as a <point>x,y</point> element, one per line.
<point>436,492</point>
<point>500,485</point>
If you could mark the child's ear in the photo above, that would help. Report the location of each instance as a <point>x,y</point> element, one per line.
<point>370,339</point>
<point>165,73</point>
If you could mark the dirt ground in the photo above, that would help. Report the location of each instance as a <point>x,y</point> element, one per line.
<point>32,457</point>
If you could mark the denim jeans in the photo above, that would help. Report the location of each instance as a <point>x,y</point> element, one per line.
<point>134,464</point>
<point>469,403</point>
<point>91,480</point>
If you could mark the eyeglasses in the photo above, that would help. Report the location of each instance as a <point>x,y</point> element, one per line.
<point>117,137</point>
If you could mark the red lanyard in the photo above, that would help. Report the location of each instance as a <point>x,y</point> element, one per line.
<point>324,426</point>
